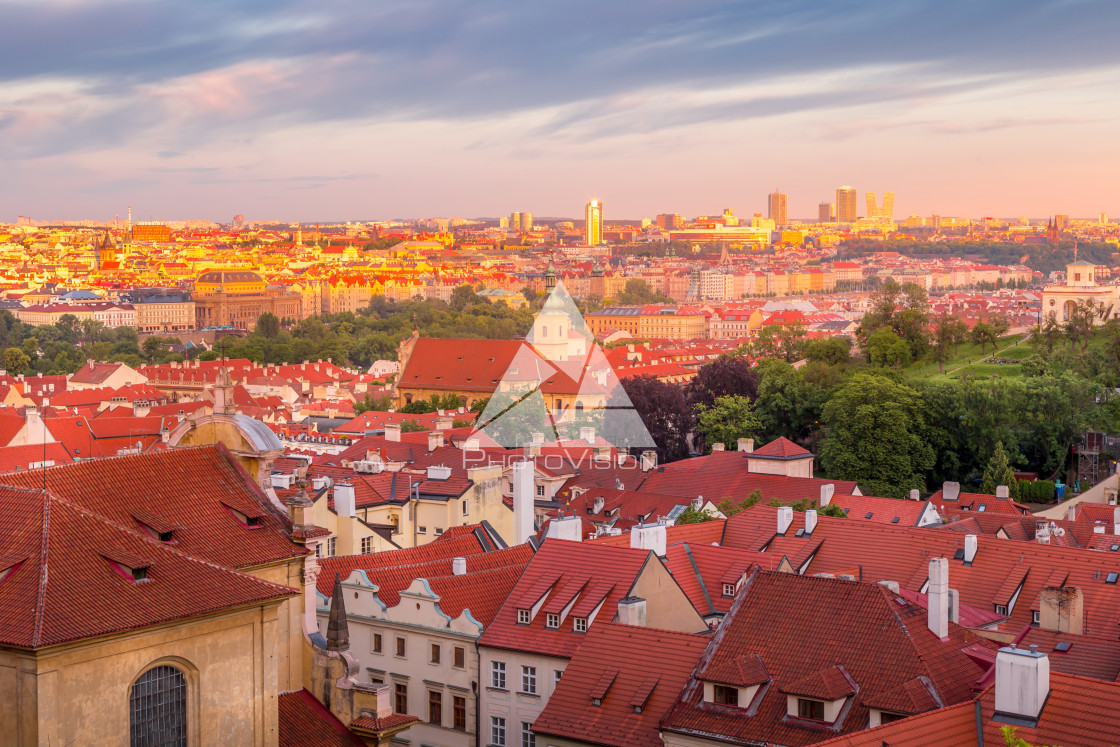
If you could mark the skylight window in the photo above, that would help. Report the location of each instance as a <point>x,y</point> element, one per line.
<point>869,515</point>
<point>894,520</point>
<point>1111,578</point>
<point>1063,646</point>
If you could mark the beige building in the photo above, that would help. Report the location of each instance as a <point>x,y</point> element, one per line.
<point>160,312</point>
<point>1080,286</point>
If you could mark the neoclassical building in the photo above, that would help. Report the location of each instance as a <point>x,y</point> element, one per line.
<point>236,298</point>
<point>1059,299</point>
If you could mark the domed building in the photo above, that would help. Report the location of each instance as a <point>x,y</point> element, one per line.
<point>237,298</point>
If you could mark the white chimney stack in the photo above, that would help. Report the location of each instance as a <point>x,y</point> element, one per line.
<point>1022,682</point>
<point>746,444</point>
<point>587,434</point>
<point>632,611</point>
<point>951,491</point>
<point>392,431</point>
<point>1071,513</point>
<point>459,566</point>
<point>785,518</point>
<point>954,606</point>
<point>938,597</point>
<point>1116,520</point>
<point>649,460</point>
<point>969,548</point>
<point>650,537</point>
<point>522,502</point>
<point>827,491</point>
<point>1002,491</point>
<point>914,494</point>
<point>810,521</point>
<point>566,528</point>
<point>717,447</point>
<point>344,499</point>
<point>435,440</point>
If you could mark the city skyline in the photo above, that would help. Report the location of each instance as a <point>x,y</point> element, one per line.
<point>305,112</point>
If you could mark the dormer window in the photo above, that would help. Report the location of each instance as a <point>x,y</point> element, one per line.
<point>579,624</point>
<point>524,617</point>
<point>725,695</point>
<point>251,521</point>
<point>552,620</point>
<point>130,566</point>
<point>813,710</point>
<point>729,590</point>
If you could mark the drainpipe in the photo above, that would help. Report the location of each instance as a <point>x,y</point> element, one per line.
<point>477,697</point>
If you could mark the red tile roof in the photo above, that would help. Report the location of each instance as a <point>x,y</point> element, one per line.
<point>63,588</point>
<point>637,697</point>
<point>191,486</point>
<point>305,721</point>
<point>780,447</point>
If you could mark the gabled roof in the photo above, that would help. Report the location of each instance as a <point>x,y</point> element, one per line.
<point>303,721</point>
<point>637,696</point>
<point>781,448</point>
<point>66,580</point>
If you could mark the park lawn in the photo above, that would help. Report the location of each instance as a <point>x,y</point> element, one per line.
<point>1008,347</point>
<point>983,371</point>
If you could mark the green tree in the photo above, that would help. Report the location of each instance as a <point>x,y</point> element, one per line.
<point>16,361</point>
<point>728,420</point>
<point>874,436</point>
<point>70,327</point>
<point>91,330</point>
<point>999,472</point>
<point>268,325</point>
<point>984,334</point>
<point>692,516</point>
<point>886,349</point>
<point>638,292</point>
<point>787,404</point>
<point>834,351</point>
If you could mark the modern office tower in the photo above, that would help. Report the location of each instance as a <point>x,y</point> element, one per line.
<point>1102,218</point>
<point>778,208</point>
<point>669,221</point>
<point>526,222</point>
<point>846,204</point>
<point>824,212</point>
<point>886,210</point>
<point>503,222</point>
<point>515,221</point>
<point>593,228</point>
<point>1061,220</point>
<point>936,222</point>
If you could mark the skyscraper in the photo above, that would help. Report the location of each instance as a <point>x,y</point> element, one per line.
<point>526,222</point>
<point>778,208</point>
<point>593,228</point>
<point>824,212</point>
<point>515,221</point>
<point>846,204</point>
<point>886,210</point>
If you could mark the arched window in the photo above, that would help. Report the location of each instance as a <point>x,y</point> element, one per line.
<point>157,707</point>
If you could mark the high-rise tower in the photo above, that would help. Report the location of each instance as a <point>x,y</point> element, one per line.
<point>846,204</point>
<point>778,208</point>
<point>593,229</point>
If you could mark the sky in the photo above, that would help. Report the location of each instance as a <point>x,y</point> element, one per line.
<point>370,109</point>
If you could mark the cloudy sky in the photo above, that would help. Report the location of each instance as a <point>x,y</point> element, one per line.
<point>359,109</point>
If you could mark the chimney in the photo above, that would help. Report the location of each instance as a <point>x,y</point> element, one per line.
<point>915,495</point>
<point>523,507</point>
<point>810,521</point>
<point>649,537</point>
<point>435,440</point>
<point>587,434</point>
<point>892,586</point>
<point>597,505</point>
<point>969,548</point>
<point>344,498</point>
<point>745,444</point>
<point>785,518</point>
<point>938,598</point>
<point>1022,682</point>
<point>444,422</point>
<point>392,431</point>
<point>827,491</point>
<point>649,460</point>
<point>1002,491</point>
<point>950,491</point>
<point>717,447</point>
<point>1071,513</point>
<point>1116,520</point>
<point>954,606</point>
<point>538,439</point>
<point>458,566</point>
<point>632,611</point>
<point>566,528</point>
<point>1062,610</point>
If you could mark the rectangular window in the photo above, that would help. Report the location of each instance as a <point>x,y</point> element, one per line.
<point>319,550</point>
<point>331,546</point>
<point>376,646</point>
<point>497,731</point>
<point>552,620</point>
<point>459,712</point>
<point>460,657</point>
<point>579,624</point>
<point>367,545</point>
<point>729,590</point>
<point>540,490</point>
<point>556,675</point>
<point>435,707</point>
<point>529,680</point>
<point>498,675</point>
<point>524,617</point>
<point>466,509</point>
<point>435,653</point>
<point>1001,609</point>
<point>400,647</point>
<point>439,531</point>
<point>421,530</point>
<point>724,695</point>
<point>402,698</point>
<point>810,709</point>
<point>528,739</point>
